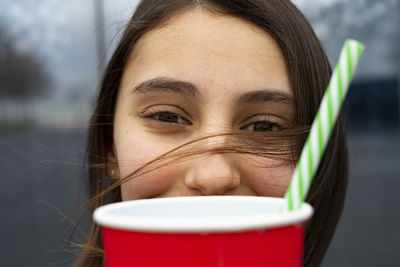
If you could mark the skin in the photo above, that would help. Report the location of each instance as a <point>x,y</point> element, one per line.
<point>224,58</point>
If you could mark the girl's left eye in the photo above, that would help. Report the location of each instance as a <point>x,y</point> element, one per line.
<point>266,126</point>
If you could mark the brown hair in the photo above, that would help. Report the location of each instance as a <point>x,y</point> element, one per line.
<point>309,71</point>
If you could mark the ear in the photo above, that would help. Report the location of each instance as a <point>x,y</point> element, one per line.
<point>112,165</point>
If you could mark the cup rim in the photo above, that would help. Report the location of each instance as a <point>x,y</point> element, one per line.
<point>103,217</point>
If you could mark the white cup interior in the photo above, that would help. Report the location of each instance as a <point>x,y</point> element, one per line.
<point>199,214</point>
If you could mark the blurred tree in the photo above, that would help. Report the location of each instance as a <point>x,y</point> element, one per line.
<point>22,75</point>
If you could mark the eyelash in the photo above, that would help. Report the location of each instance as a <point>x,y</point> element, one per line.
<point>272,126</point>
<point>154,116</point>
<point>180,119</point>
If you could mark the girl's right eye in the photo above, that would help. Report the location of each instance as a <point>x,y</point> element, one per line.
<point>167,117</point>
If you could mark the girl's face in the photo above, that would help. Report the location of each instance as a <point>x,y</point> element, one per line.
<point>201,74</point>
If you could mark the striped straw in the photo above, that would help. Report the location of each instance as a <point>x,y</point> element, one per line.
<point>323,124</point>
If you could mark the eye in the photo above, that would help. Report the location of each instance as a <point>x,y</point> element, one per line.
<point>266,126</point>
<point>167,117</point>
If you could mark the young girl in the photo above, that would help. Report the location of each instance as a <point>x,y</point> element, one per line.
<point>213,97</point>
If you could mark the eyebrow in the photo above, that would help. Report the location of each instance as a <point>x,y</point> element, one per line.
<point>169,85</point>
<point>262,96</point>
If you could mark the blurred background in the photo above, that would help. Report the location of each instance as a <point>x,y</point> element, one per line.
<point>52,54</point>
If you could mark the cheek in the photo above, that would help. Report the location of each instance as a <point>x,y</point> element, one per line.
<point>132,155</point>
<point>149,185</point>
<point>267,177</point>
<point>134,147</point>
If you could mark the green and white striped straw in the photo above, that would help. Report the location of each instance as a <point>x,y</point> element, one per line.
<point>323,124</point>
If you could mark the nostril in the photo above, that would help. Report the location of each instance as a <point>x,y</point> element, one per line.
<point>213,185</point>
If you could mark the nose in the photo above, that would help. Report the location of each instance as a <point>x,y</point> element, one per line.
<point>213,174</point>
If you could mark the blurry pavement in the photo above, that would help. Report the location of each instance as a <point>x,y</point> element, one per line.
<point>35,191</point>
<point>369,233</point>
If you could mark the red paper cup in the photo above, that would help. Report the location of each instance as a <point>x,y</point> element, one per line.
<point>212,231</point>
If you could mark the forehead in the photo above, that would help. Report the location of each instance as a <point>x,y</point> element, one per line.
<point>209,50</point>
